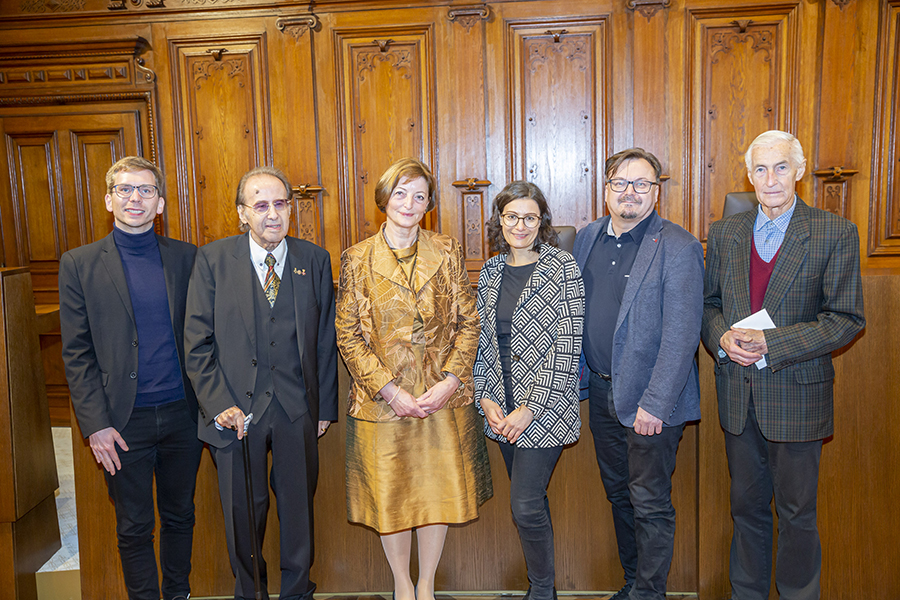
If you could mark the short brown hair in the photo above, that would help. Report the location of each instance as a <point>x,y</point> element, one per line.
<point>264,170</point>
<point>405,168</point>
<point>518,190</point>
<point>619,158</point>
<point>131,164</point>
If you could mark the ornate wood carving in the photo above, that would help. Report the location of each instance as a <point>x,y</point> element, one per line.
<point>647,8</point>
<point>841,3</point>
<point>558,139</point>
<point>474,238</point>
<point>741,73</point>
<point>884,217</point>
<point>41,6</point>
<point>467,16</point>
<point>73,64</point>
<point>296,27</point>
<point>386,112</point>
<point>222,125</point>
<point>835,183</point>
<point>308,199</point>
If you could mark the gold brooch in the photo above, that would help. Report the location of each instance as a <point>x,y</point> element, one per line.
<point>299,271</point>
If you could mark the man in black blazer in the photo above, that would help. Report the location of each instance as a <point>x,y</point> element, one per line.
<point>261,352</point>
<point>121,308</point>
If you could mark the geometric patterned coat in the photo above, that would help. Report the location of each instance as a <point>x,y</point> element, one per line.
<point>545,345</point>
<point>815,299</point>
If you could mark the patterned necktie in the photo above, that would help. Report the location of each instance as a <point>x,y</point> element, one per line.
<point>769,229</point>
<point>272,280</point>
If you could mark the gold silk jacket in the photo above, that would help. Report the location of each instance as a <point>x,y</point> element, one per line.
<point>375,314</point>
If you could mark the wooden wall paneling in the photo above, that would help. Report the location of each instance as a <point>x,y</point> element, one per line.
<point>462,113</point>
<point>386,94</point>
<point>858,519</point>
<point>884,199</point>
<point>292,79</point>
<point>559,111</point>
<point>222,124</point>
<point>742,77</point>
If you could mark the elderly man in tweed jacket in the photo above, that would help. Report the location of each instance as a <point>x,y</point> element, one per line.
<point>801,264</point>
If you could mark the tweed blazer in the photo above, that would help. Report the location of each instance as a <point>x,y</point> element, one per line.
<point>376,308</point>
<point>657,329</point>
<point>545,343</point>
<point>99,333</point>
<point>815,299</point>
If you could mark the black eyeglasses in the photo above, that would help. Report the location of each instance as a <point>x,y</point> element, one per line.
<point>641,186</point>
<point>262,208</point>
<point>124,191</point>
<point>512,220</point>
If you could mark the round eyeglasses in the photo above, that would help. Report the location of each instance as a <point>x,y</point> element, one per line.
<point>641,186</point>
<point>262,208</point>
<point>512,220</point>
<point>124,191</point>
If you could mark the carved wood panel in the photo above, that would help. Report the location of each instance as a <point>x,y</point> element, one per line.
<point>559,104</point>
<point>741,73</point>
<point>386,113</point>
<point>884,219</point>
<point>223,126</point>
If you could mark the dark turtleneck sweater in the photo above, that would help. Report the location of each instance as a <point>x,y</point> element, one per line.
<point>159,370</point>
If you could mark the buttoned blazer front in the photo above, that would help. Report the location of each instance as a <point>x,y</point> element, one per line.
<point>545,343</point>
<point>99,334</point>
<point>220,330</point>
<point>815,299</point>
<point>657,331</point>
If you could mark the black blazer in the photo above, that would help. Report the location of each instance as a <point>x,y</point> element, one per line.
<point>220,330</point>
<point>99,335</point>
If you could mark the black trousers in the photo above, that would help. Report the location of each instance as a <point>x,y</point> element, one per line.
<point>295,470</point>
<point>162,441</point>
<point>636,471</point>
<point>789,471</point>
<point>529,471</point>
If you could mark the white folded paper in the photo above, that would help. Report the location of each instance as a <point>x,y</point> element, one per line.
<point>758,320</point>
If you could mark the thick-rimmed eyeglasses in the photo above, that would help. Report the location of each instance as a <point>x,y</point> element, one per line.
<point>641,186</point>
<point>262,208</point>
<point>124,191</point>
<point>512,220</point>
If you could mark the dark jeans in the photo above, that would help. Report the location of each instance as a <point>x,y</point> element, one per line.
<point>789,471</point>
<point>161,440</point>
<point>637,475</point>
<point>529,471</point>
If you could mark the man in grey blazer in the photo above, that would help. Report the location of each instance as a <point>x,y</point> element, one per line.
<point>261,352</point>
<point>801,264</point>
<point>643,278</point>
<point>121,308</point>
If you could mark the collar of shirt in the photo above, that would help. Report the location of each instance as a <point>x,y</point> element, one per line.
<point>258,257</point>
<point>636,233</point>
<point>781,222</point>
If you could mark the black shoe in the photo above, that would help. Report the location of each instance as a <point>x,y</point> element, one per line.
<point>623,593</point>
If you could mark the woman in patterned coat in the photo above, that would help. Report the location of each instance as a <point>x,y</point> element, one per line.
<point>407,328</point>
<point>531,304</point>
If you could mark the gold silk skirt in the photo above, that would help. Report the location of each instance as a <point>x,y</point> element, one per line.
<point>414,472</point>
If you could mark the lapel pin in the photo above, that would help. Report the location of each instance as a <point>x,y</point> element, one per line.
<point>299,271</point>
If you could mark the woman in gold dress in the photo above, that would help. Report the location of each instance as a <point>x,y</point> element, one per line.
<point>408,328</point>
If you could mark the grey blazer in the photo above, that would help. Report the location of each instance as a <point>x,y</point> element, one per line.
<point>99,335</point>
<point>546,344</point>
<point>220,330</point>
<point>658,328</point>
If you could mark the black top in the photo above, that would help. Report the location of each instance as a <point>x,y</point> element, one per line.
<point>514,280</point>
<point>605,276</point>
<point>159,369</point>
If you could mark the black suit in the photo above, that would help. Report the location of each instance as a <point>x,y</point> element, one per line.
<point>222,340</point>
<point>100,350</point>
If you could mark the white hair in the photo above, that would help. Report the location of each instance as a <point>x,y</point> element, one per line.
<point>771,137</point>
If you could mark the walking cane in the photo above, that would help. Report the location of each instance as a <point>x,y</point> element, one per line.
<point>251,513</point>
